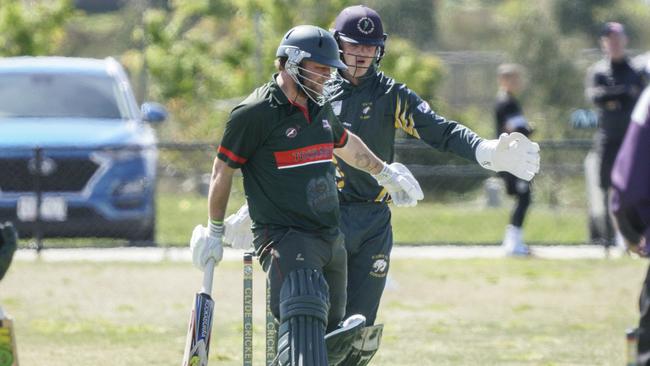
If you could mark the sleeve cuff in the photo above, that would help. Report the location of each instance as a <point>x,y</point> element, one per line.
<point>233,160</point>
<point>343,140</point>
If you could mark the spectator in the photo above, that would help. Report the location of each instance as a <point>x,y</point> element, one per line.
<point>614,86</point>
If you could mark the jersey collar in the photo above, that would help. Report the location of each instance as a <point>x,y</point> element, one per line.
<point>276,92</point>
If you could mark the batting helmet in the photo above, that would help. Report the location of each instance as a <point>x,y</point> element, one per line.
<point>316,44</point>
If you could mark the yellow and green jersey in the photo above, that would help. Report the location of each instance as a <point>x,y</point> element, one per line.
<point>374,110</point>
<point>285,154</point>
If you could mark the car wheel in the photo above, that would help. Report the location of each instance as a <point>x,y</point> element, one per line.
<point>145,237</point>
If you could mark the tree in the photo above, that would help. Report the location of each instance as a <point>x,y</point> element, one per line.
<point>32,28</point>
<point>201,51</point>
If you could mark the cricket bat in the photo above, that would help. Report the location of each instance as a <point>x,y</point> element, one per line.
<point>8,353</point>
<point>197,344</point>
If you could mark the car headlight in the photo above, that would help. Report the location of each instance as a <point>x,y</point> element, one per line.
<point>132,188</point>
<point>118,154</point>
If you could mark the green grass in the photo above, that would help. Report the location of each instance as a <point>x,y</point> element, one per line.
<point>467,222</point>
<point>446,312</point>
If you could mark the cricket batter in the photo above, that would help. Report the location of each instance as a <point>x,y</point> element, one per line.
<point>631,205</point>
<point>373,106</point>
<point>283,137</point>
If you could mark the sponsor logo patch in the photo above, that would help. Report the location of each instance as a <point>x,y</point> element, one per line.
<point>336,107</point>
<point>291,132</point>
<point>313,154</point>
<point>424,107</point>
<point>326,125</point>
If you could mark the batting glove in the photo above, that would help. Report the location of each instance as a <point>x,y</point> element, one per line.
<point>238,229</point>
<point>402,186</point>
<point>206,244</point>
<point>513,153</point>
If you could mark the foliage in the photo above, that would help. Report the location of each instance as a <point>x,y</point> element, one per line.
<point>202,51</point>
<point>540,47</point>
<point>32,28</point>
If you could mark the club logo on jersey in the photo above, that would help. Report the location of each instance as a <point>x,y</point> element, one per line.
<point>366,108</point>
<point>291,132</point>
<point>365,25</point>
<point>326,125</point>
<point>336,107</point>
<point>379,266</point>
<point>322,194</point>
<point>424,107</point>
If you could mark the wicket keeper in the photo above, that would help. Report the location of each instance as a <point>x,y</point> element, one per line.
<point>373,106</point>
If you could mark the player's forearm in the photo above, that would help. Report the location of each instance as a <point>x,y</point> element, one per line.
<point>356,154</point>
<point>220,186</point>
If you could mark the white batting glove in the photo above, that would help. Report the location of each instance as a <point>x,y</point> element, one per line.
<point>238,229</point>
<point>513,153</point>
<point>206,244</point>
<point>402,186</point>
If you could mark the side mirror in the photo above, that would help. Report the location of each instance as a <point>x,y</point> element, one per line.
<point>153,112</point>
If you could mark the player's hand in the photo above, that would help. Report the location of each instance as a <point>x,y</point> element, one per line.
<point>206,244</point>
<point>238,229</point>
<point>513,153</point>
<point>402,186</point>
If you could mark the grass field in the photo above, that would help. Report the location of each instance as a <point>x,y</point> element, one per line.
<point>445,312</point>
<point>465,223</point>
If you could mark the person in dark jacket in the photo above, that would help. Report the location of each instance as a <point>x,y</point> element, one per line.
<point>614,86</point>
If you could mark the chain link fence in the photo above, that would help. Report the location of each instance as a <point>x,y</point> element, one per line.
<point>112,196</point>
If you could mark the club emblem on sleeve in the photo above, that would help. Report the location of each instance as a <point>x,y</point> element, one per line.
<point>326,125</point>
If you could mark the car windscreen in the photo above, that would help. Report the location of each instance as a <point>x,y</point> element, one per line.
<point>37,95</point>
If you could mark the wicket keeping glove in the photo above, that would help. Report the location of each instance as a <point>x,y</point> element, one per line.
<point>513,153</point>
<point>206,244</point>
<point>238,229</point>
<point>402,186</point>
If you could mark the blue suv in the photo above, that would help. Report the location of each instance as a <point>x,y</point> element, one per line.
<point>77,155</point>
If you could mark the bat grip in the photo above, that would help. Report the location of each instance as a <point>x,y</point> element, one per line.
<point>208,274</point>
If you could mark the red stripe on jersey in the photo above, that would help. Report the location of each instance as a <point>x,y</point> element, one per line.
<point>231,155</point>
<point>312,154</point>
<point>343,140</point>
<point>304,110</point>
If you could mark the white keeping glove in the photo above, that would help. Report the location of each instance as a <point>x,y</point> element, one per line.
<point>206,244</point>
<point>402,186</point>
<point>238,229</point>
<point>513,153</point>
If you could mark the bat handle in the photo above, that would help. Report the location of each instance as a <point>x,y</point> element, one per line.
<point>208,274</point>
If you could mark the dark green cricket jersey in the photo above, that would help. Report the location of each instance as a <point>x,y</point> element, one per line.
<point>374,110</point>
<point>286,159</point>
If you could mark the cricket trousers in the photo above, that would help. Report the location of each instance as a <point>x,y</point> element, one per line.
<point>368,241</point>
<point>281,250</point>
